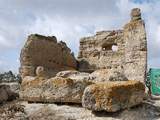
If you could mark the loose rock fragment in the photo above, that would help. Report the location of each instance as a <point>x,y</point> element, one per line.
<point>113,96</point>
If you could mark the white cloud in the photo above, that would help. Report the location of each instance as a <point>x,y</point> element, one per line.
<point>3,42</point>
<point>3,66</point>
<point>69,20</point>
<point>63,29</point>
<point>158,35</point>
<point>1,62</point>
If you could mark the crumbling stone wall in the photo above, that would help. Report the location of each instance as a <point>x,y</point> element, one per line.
<point>96,52</point>
<point>45,56</point>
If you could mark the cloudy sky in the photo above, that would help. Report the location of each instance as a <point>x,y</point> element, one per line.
<point>69,20</point>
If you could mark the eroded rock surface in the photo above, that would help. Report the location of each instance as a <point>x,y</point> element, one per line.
<point>113,96</point>
<point>57,89</point>
<point>104,75</point>
<point>47,53</point>
<point>76,75</point>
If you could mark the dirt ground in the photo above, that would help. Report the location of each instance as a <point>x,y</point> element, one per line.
<point>21,110</point>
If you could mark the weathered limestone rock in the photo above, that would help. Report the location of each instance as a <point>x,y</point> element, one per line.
<point>100,75</point>
<point>76,75</point>
<point>135,14</point>
<point>113,96</point>
<point>96,51</point>
<point>3,93</point>
<point>57,89</point>
<point>8,91</point>
<point>117,76</point>
<point>13,87</point>
<point>136,50</point>
<point>103,75</point>
<point>46,52</point>
<point>124,51</point>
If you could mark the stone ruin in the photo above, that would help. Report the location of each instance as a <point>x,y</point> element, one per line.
<point>45,56</point>
<point>108,75</point>
<point>123,50</point>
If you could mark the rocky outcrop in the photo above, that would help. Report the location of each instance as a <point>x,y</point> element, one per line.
<point>113,96</point>
<point>46,52</point>
<point>57,89</point>
<point>124,51</point>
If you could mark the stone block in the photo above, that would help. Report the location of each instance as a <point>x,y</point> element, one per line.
<point>113,96</point>
<point>57,89</point>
